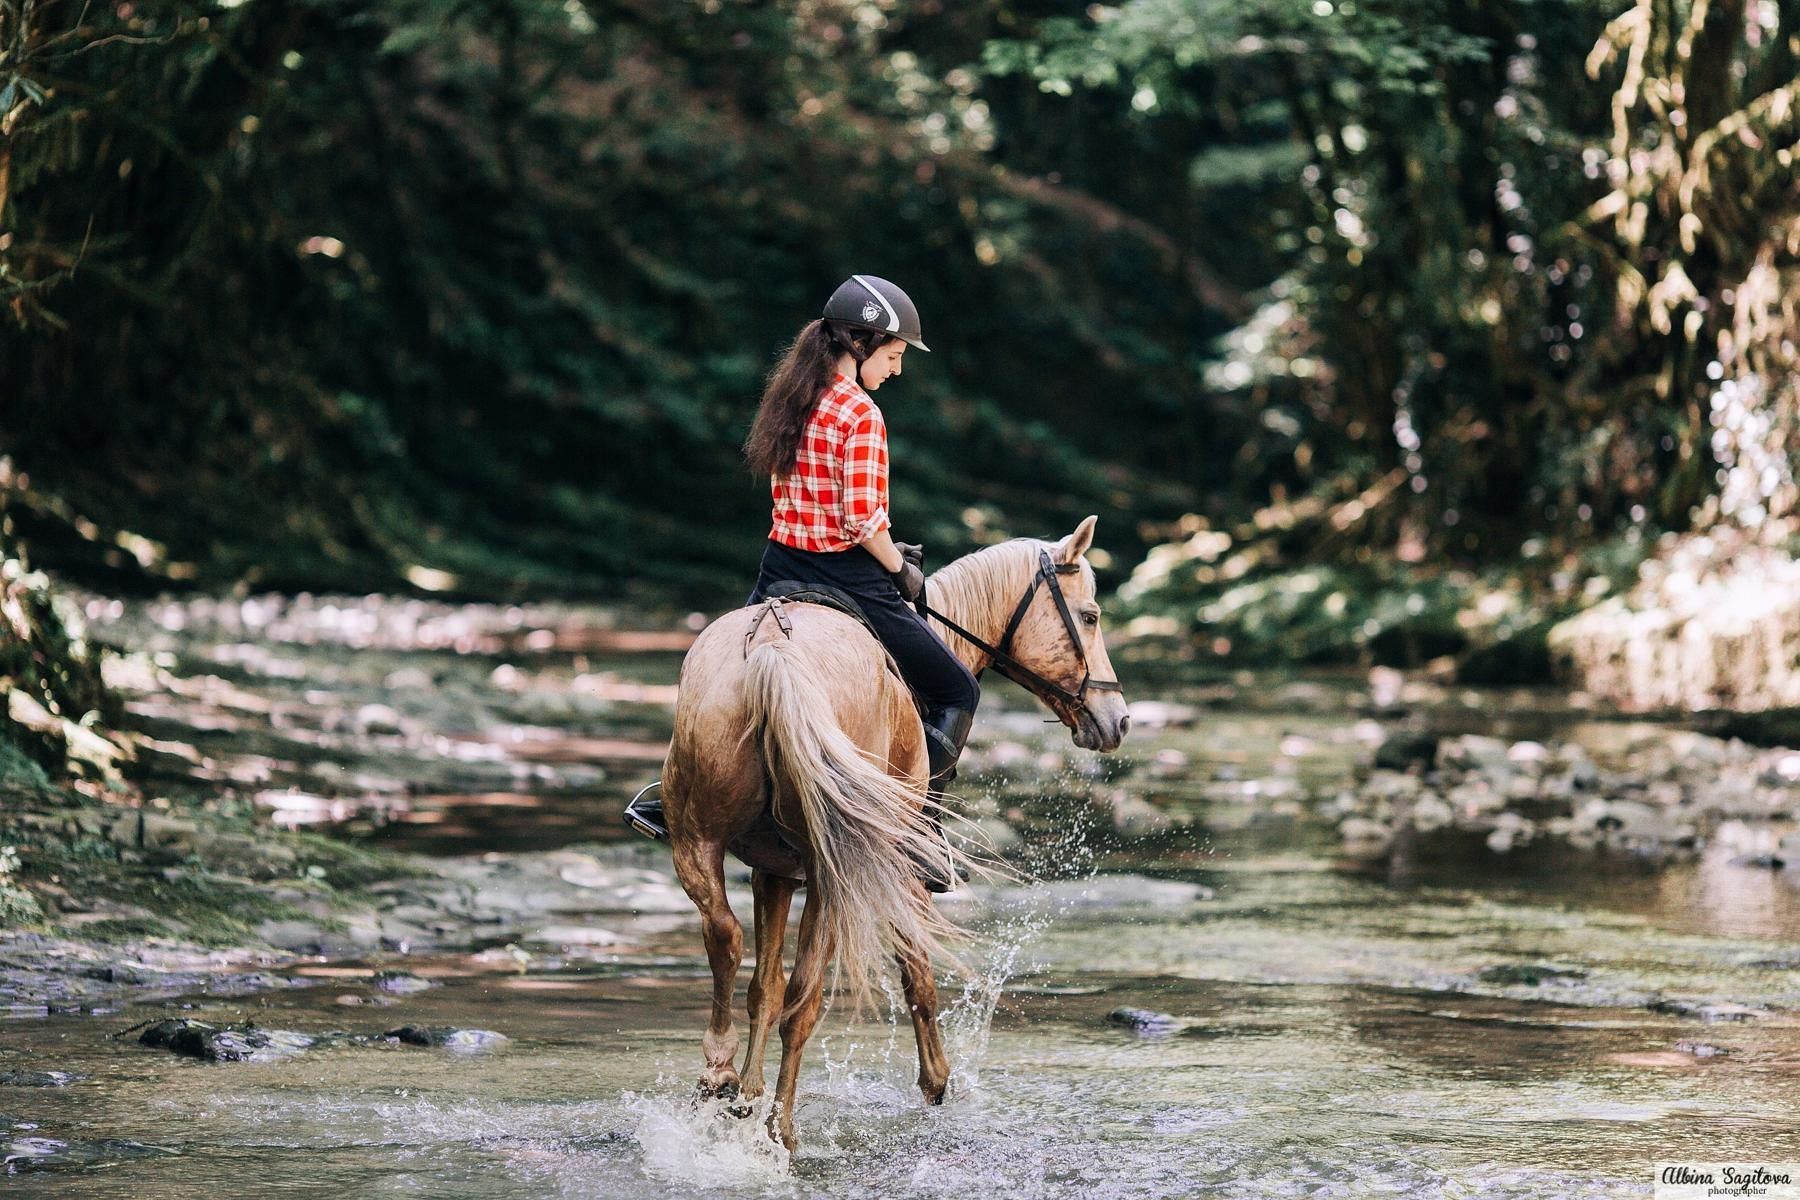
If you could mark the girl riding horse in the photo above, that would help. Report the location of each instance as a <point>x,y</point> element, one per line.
<point>822,442</point>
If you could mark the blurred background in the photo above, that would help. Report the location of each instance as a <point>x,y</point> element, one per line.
<point>477,298</point>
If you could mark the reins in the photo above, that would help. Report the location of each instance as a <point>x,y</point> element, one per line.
<point>1001,655</point>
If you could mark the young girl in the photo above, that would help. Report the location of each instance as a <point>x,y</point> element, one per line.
<point>823,444</point>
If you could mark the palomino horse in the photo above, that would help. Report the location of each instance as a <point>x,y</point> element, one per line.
<point>797,750</point>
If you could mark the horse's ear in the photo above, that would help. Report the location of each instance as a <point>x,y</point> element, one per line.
<point>1077,543</point>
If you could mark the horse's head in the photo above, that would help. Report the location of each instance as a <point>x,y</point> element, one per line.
<point>1064,646</point>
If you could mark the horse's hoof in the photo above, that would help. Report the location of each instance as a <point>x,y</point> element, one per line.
<point>726,1090</point>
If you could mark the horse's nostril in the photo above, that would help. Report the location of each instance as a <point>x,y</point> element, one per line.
<point>1124,725</point>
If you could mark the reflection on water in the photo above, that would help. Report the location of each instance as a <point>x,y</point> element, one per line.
<point>1530,1026</point>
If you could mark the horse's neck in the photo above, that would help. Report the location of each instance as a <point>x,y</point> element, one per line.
<point>956,591</point>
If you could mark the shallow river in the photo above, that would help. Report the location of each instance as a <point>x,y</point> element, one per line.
<point>1470,1025</point>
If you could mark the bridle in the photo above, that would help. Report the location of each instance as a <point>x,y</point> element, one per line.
<point>1010,667</point>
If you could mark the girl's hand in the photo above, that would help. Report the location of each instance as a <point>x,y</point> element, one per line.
<point>909,580</point>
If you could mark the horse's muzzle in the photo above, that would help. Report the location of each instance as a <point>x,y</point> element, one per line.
<point>1099,731</point>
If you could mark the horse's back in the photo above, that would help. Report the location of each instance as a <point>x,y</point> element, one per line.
<point>835,646</point>
<point>712,762</point>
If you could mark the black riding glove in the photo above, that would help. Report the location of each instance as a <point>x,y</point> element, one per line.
<point>909,580</point>
<point>912,553</point>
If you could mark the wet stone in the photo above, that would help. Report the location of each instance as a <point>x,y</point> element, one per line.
<point>1529,974</point>
<point>23,1154</point>
<point>222,1043</point>
<point>1702,1049</point>
<point>446,1036</point>
<point>1404,750</point>
<point>1144,1021</point>
<point>1710,1013</point>
<point>24,1079</point>
<point>401,983</point>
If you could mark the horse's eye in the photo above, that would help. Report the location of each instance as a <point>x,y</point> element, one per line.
<point>1091,618</point>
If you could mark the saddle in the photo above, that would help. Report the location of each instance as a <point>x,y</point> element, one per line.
<point>819,593</point>
<point>793,591</point>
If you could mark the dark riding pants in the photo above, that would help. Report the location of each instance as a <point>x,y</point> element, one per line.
<point>936,674</point>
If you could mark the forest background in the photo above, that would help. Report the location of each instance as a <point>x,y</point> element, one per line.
<point>1372,330</point>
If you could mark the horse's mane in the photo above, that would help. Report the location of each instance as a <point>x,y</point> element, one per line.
<point>994,575</point>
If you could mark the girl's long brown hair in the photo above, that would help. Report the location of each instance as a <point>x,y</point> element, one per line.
<point>793,388</point>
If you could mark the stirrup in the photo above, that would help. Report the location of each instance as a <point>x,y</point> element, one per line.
<point>645,814</point>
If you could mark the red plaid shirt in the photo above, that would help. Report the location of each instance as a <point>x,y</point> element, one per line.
<point>836,496</point>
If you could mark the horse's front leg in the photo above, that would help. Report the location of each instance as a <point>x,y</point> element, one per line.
<point>800,1011</point>
<point>701,869</point>
<point>922,999</point>
<point>774,894</point>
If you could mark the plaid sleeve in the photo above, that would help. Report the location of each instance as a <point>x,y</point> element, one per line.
<point>865,488</point>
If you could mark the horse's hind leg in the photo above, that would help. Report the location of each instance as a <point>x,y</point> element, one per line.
<point>701,869</point>
<point>800,1012</point>
<point>922,1000</point>
<point>773,895</point>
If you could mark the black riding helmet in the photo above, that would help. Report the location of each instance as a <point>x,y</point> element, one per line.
<point>873,303</point>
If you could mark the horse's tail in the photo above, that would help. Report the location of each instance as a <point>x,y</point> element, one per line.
<point>864,826</point>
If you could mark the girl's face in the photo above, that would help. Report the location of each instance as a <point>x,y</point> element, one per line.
<point>882,365</point>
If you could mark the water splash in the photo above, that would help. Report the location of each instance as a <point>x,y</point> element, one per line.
<point>703,1145</point>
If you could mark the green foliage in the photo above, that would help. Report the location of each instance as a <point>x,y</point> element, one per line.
<point>477,298</point>
<point>1450,279</point>
<point>481,296</point>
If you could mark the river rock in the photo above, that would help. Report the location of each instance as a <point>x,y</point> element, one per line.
<point>446,1036</point>
<point>1364,838</point>
<point>37,1078</point>
<point>1510,830</point>
<point>1529,974</point>
<point>1431,813</point>
<point>1391,785</point>
<point>1702,1049</point>
<point>1473,798</point>
<point>1626,823</point>
<point>223,1043</point>
<point>1706,1011</point>
<point>19,1155</point>
<point>1405,750</point>
<point>1477,752</point>
<point>401,983</point>
<point>1144,1020</point>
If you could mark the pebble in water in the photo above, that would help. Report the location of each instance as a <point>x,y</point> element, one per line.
<point>1144,1021</point>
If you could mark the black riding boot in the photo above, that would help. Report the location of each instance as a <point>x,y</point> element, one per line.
<point>645,813</point>
<point>946,732</point>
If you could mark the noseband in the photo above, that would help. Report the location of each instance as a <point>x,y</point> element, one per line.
<point>1010,667</point>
